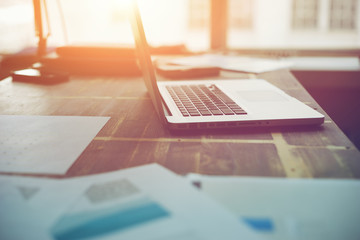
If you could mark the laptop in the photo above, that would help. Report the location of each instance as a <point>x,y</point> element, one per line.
<point>207,104</point>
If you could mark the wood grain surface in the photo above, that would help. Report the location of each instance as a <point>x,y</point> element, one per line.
<point>134,135</point>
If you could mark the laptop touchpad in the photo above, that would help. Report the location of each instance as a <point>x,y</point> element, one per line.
<point>261,96</point>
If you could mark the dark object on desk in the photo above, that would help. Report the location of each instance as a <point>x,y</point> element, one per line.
<point>37,76</point>
<point>74,51</point>
<point>19,60</point>
<point>174,71</point>
<point>93,60</point>
<point>121,51</point>
<point>92,66</point>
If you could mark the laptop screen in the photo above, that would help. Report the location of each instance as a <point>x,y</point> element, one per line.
<point>144,58</point>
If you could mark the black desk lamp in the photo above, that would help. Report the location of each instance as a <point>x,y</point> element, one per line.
<point>39,5</point>
<point>39,74</point>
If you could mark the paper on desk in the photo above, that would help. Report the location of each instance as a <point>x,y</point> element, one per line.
<point>147,202</point>
<point>18,218</point>
<point>300,209</point>
<point>44,144</point>
<point>233,63</point>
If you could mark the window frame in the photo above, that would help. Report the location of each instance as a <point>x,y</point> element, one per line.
<point>219,32</point>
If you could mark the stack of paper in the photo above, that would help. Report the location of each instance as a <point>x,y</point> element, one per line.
<point>300,209</point>
<point>150,202</point>
<point>146,202</point>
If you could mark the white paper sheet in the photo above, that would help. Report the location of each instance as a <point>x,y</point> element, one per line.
<point>44,144</point>
<point>300,209</point>
<point>233,63</point>
<point>147,202</point>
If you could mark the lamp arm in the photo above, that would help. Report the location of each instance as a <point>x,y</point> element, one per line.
<point>39,28</point>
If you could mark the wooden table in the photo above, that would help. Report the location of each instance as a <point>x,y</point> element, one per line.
<point>134,136</point>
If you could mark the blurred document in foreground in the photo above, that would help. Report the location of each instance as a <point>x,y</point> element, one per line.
<point>289,209</point>
<point>147,202</point>
<point>233,63</point>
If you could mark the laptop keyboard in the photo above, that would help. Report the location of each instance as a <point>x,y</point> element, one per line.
<point>200,100</point>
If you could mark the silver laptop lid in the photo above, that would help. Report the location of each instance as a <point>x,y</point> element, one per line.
<point>143,54</point>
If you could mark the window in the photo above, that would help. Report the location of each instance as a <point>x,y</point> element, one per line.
<point>16,26</point>
<point>343,14</point>
<point>240,14</point>
<point>199,14</point>
<point>165,22</point>
<point>305,14</point>
<point>253,24</point>
<point>297,24</point>
<point>198,24</point>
